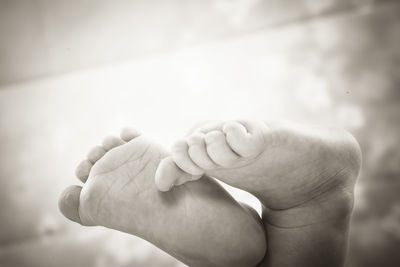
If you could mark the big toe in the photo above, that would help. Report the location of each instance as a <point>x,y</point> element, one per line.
<point>68,203</point>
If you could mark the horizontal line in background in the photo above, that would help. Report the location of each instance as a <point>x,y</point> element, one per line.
<point>231,33</point>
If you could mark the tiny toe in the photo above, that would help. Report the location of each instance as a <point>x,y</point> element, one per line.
<point>235,128</point>
<point>83,170</point>
<point>68,203</point>
<point>169,174</point>
<point>127,134</point>
<point>241,141</point>
<point>111,141</point>
<point>236,136</point>
<point>181,157</point>
<point>95,154</point>
<point>198,152</point>
<point>218,149</point>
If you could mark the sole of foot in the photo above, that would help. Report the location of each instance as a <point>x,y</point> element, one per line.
<point>198,223</point>
<point>285,165</point>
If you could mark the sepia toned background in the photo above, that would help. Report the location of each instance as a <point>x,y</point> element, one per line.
<point>72,72</point>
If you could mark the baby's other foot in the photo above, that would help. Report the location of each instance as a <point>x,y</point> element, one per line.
<point>283,164</point>
<point>198,223</point>
<point>303,176</point>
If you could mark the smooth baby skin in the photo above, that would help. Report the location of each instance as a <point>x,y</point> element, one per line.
<point>198,223</point>
<point>303,176</point>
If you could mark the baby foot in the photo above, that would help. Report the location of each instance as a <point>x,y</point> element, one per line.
<point>282,164</point>
<point>198,223</point>
<point>304,177</point>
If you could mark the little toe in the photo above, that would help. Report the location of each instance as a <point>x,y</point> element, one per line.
<point>68,203</point>
<point>111,141</point>
<point>169,174</point>
<point>96,153</point>
<point>179,153</point>
<point>127,134</point>
<point>83,170</point>
<point>198,152</point>
<point>241,141</point>
<point>218,149</point>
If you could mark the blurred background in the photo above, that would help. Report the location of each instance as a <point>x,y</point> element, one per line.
<point>72,72</point>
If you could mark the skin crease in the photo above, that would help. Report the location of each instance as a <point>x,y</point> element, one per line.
<point>303,176</point>
<point>189,222</point>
